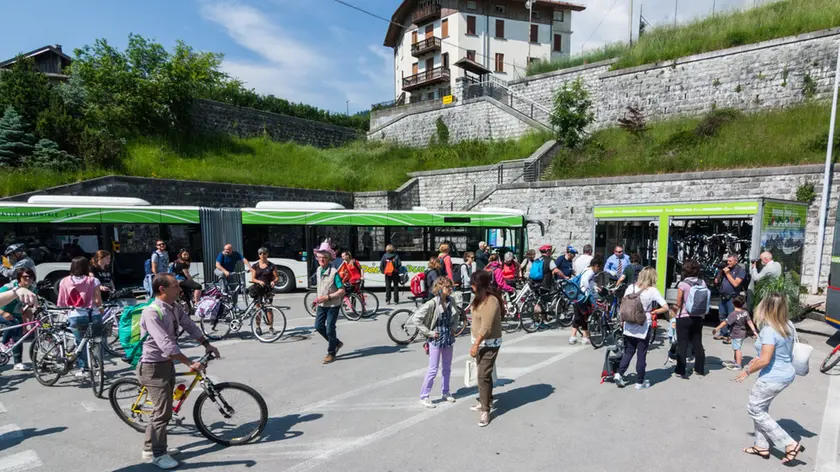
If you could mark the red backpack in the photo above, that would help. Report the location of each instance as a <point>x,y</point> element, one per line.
<point>418,285</point>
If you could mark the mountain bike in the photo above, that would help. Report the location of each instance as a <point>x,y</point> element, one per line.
<point>51,359</point>
<point>357,303</point>
<point>232,318</point>
<point>35,328</point>
<point>226,413</point>
<point>403,333</point>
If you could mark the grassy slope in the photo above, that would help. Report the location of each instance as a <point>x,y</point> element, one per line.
<point>360,166</point>
<point>774,20</point>
<point>787,137</point>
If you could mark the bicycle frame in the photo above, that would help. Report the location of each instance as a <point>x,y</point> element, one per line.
<point>176,407</point>
<point>37,324</point>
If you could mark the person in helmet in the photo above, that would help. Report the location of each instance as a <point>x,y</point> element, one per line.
<point>565,263</point>
<point>542,267</point>
<point>18,259</point>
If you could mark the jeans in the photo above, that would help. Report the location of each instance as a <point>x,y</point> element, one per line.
<point>159,380</point>
<point>766,428</point>
<point>442,356</point>
<point>485,361</point>
<point>639,347</point>
<point>325,319</point>
<point>13,335</point>
<point>724,309</point>
<point>690,330</point>
<point>79,325</point>
<point>392,283</point>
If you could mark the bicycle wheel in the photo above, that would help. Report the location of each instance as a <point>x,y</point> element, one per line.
<point>236,415</point>
<point>530,319</point>
<point>351,307</point>
<point>131,403</point>
<point>219,327</point>
<point>462,320</point>
<point>511,321</point>
<point>397,329</point>
<point>597,336</point>
<point>47,356</point>
<point>96,367</point>
<point>309,303</point>
<point>277,324</point>
<point>564,312</point>
<point>111,338</point>
<point>370,303</point>
<point>830,360</point>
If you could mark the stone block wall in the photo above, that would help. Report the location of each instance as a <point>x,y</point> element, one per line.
<point>566,207</point>
<point>215,117</point>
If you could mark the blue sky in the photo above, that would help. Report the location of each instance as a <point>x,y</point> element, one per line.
<point>312,51</point>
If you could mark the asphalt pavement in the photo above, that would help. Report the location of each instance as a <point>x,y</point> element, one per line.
<point>362,413</point>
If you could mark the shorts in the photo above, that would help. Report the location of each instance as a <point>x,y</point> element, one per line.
<point>736,344</point>
<point>582,311</point>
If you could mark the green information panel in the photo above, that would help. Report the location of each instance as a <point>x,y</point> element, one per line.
<point>783,233</point>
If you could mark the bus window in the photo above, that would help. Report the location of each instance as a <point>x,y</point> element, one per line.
<point>285,242</point>
<point>460,240</point>
<point>410,242</point>
<point>370,243</point>
<point>186,237</point>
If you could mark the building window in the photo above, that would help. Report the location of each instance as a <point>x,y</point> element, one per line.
<point>500,9</point>
<point>533,60</point>
<point>559,15</point>
<point>500,29</point>
<point>414,37</point>
<point>430,31</point>
<point>535,33</point>
<point>500,62</point>
<point>471,55</point>
<point>444,28</point>
<point>558,42</point>
<point>470,5</point>
<point>471,25</point>
<point>445,60</point>
<point>415,68</point>
<point>535,15</point>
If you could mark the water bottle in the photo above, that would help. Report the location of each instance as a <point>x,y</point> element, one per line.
<point>179,392</point>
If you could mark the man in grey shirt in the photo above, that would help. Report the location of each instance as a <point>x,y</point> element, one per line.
<point>770,268</point>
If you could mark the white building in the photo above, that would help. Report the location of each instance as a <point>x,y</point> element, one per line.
<point>497,37</point>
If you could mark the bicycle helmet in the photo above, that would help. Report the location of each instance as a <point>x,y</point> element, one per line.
<point>546,248</point>
<point>571,249</point>
<point>13,248</point>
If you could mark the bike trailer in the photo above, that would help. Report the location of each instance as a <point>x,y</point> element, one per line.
<point>209,305</point>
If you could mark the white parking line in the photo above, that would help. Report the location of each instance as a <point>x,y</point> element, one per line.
<point>827,460</point>
<point>3,408</point>
<point>9,432</point>
<point>329,454</point>
<point>19,462</point>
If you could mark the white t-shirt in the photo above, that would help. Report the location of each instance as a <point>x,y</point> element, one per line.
<point>581,262</point>
<point>587,281</point>
<point>649,295</point>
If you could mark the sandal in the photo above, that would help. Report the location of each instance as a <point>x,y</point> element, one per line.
<point>754,451</point>
<point>790,456</point>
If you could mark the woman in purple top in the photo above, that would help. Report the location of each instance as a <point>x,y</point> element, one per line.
<point>689,328</point>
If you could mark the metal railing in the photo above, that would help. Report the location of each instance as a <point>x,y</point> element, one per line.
<point>485,180</point>
<point>499,90</point>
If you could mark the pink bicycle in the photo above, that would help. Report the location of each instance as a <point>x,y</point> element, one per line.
<point>31,328</point>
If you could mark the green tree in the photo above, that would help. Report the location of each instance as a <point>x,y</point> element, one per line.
<point>47,155</point>
<point>572,113</point>
<point>15,142</point>
<point>25,88</point>
<point>59,123</point>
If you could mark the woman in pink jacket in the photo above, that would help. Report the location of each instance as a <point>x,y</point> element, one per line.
<point>495,268</point>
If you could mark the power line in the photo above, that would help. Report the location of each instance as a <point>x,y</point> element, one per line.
<point>354,7</point>
<point>596,28</point>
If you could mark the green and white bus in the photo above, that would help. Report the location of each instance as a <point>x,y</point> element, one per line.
<point>58,228</point>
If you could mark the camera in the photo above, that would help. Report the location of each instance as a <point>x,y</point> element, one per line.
<point>755,261</point>
<point>721,265</point>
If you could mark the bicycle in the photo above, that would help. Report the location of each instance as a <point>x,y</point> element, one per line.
<point>356,304</point>
<point>131,403</point>
<point>828,363</point>
<point>604,319</point>
<point>35,329</point>
<point>403,334</point>
<point>51,361</point>
<point>232,318</point>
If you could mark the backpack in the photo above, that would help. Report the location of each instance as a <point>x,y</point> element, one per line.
<point>418,285</point>
<point>698,300</point>
<point>129,332</point>
<point>389,267</point>
<point>631,309</point>
<point>403,275</point>
<point>147,266</point>
<point>572,290</point>
<point>537,272</point>
<point>456,274</point>
<point>209,305</point>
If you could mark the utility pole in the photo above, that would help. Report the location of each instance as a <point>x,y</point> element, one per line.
<point>631,22</point>
<point>348,107</point>
<point>529,4</point>
<point>714,4</point>
<point>676,5</point>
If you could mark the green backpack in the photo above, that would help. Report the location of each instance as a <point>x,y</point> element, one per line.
<point>129,332</point>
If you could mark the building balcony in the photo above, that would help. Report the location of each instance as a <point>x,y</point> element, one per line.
<point>438,75</point>
<point>423,13</point>
<point>427,45</point>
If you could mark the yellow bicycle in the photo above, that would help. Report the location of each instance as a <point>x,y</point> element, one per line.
<point>226,413</point>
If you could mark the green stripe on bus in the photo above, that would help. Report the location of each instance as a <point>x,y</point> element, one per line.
<point>392,218</point>
<point>686,209</point>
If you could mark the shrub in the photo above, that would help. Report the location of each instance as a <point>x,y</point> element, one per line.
<point>635,123</point>
<point>15,142</point>
<point>48,156</point>
<point>806,193</point>
<point>442,131</point>
<point>572,113</point>
<point>100,148</point>
<point>787,285</point>
<point>714,121</point>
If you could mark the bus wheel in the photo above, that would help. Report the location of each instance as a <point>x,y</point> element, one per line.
<point>285,280</point>
<point>55,280</point>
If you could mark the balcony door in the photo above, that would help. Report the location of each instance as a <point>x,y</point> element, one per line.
<point>430,65</point>
<point>430,31</point>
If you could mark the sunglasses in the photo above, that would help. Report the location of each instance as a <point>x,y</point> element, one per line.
<point>26,277</point>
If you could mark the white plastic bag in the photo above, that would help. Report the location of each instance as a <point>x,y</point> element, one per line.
<point>471,374</point>
<point>801,355</point>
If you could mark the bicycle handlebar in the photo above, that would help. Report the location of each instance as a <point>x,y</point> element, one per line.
<point>206,358</point>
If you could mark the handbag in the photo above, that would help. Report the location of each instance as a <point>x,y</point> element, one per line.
<point>471,374</point>
<point>800,355</point>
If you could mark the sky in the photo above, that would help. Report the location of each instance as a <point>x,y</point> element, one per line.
<point>318,52</point>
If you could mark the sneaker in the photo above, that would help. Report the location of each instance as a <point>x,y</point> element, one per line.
<point>427,402</point>
<point>476,407</point>
<point>619,381</point>
<point>734,367</point>
<point>165,462</point>
<point>258,331</point>
<point>643,385</point>
<point>727,341</point>
<point>718,338</point>
<point>329,359</point>
<point>338,347</point>
<point>484,419</point>
<point>585,341</point>
<point>80,374</point>
<point>690,359</point>
<point>573,340</point>
<point>149,455</point>
<point>21,367</point>
<point>447,397</point>
<point>682,376</point>
<point>271,332</point>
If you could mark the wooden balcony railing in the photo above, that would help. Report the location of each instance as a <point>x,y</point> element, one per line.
<point>429,11</point>
<point>427,45</point>
<point>428,77</point>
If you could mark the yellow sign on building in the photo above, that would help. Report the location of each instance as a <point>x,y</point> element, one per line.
<point>448,99</point>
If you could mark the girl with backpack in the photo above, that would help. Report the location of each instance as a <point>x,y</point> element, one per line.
<point>637,306</point>
<point>350,271</point>
<point>690,321</point>
<point>390,268</point>
<point>437,321</point>
<point>81,291</point>
<point>431,275</point>
<point>446,261</point>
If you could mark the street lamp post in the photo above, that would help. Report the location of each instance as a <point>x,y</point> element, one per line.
<point>529,4</point>
<point>676,6</point>
<point>348,107</point>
